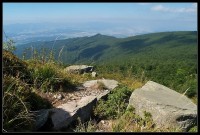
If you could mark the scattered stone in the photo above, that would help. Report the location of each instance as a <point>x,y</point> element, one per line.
<point>169,109</point>
<point>102,121</point>
<point>55,96</point>
<point>94,74</point>
<point>109,84</point>
<point>79,69</point>
<point>80,88</point>
<point>60,96</point>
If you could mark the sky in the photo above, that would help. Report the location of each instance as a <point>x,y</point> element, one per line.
<point>130,17</point>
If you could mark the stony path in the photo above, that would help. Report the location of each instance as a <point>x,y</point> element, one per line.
<point>89,88</point>
<point>68,106</point>
<point>59,98</point>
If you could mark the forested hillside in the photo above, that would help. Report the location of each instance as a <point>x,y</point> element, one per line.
<point>169,58</point>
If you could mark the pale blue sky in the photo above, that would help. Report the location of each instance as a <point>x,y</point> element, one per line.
<point>149,16</point>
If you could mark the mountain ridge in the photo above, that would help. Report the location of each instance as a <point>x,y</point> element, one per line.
<point>100,47</point>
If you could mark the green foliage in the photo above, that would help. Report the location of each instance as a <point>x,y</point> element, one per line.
<point>48,77</point>
<point>115,105</point>
<point>18,98</point>
<point>44,76</point>
<point>89,126</point>
<point>131,122</point>
<point>194,129</point>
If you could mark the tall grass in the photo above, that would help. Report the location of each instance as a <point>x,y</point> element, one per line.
<point>16,111</point>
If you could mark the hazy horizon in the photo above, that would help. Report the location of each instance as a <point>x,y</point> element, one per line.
<point>23,21</point>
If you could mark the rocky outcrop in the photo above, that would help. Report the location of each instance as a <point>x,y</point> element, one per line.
<point>109,84</point>
<point>63,115</point>
<point>168,108</point>
<point>79,69</point>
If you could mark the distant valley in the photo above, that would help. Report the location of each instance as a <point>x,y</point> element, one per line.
<point>98,48</point>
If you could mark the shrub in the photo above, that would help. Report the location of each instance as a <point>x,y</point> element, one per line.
<point>131,122</point>
<point>115,105</point>
<point>193,129</point>
<point>44,77</point>
<point>49,77</point>
<point>89,126</point>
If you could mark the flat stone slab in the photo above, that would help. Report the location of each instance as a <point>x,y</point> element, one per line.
<point>109,84</point>
<point>168,108</point>
<point>65,114</point>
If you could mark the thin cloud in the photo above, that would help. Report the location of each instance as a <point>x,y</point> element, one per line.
<point>193,8</point>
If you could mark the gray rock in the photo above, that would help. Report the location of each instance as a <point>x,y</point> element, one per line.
<point>66,113</point>
<point>94,74</point>
<point>58,96</point>
<point>86,105</point>
<point>41,118</point>
<point>103,95</point>
<point>80,88</point>
<point>63,115</point>
<point>169,109</point>
<point>79,69</point>
<point>110,84</point>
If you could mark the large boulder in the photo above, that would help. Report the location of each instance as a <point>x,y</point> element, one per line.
<point>109,84</point>
<point>79,69</point>
<point>64,115</point>
<point>169,109</point>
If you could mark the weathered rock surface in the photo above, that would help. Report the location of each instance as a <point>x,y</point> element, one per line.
<point>109,84</point>
<point>79,104</point>
<point>62,116</point>
<point>168,108</point>
<point>79,69</point>
<point>65,114</point>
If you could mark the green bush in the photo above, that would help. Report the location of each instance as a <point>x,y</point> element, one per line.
<point>44,73</point>
<point>89,126</point>
<point>194,129</point>
<point>44,77</point>
<point>115,105</point>
<point>131,122</point>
